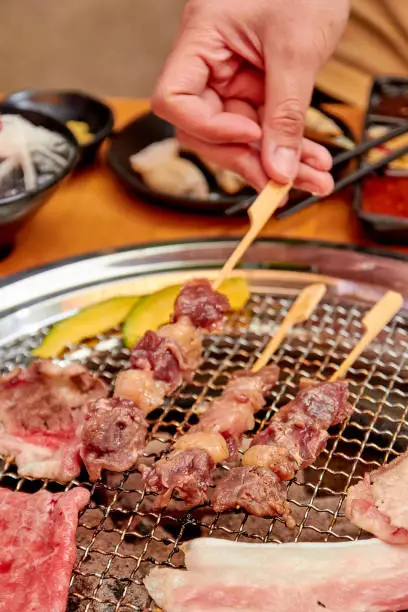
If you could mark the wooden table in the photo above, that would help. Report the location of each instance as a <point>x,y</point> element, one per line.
<point>91,211</point>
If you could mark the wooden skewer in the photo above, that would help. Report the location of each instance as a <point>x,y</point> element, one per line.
<point>374,321</point>
<point>299,312</point>
<point>259,213</point>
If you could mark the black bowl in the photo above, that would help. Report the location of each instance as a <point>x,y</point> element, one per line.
<point>16,209</point>
<point>148,129</point>
<point>70,106</point>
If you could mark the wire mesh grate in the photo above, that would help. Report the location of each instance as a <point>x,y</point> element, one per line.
<point>120,537</point>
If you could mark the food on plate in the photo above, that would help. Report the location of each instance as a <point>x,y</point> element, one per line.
<point>154,155</point>
<point>156,309</point>
<point>321,123</point>
<point>366,576</point>
<point>374,155</point>
<point>113,435</point>
<point>229,181</point>
<point>294,438</point>
<point>189,468</point>
<point>41,410</point>
<point>81,131</point>
<point>164,359</point>
<point>87,323</point>
<point>30,155</point>
<point>378,504</point>
<point>37,543</point>
<point>162,170</point>
<point>177,177</point>
<point>323,129</point>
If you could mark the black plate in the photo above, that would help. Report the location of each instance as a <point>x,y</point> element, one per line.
<point>69,106</point>
<point>149,129</point>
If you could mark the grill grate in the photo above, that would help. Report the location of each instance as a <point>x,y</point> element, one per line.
<point>120,537</point>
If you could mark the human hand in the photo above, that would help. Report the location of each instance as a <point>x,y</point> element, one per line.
<point>239,80</point>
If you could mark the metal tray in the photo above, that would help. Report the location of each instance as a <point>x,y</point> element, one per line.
<point>120,537</point>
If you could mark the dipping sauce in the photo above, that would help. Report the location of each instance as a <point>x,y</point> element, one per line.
<point>396,106</point>
<point>384,195</point>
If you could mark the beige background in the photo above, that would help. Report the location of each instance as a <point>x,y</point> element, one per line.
<point>113,47</point>
<point>116,47</point>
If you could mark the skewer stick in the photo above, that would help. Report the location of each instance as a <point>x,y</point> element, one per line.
<point>374,321</point>
<point>299,312</point>
<point>259,214</point>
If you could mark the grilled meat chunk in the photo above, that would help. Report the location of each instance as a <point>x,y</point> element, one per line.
<point>113,435</point>
<point>187,473</point>
<point>257,490</point>
<point>204,307</point>
<point>41,408</point>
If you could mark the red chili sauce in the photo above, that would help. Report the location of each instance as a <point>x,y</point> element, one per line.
<point>386,196</point>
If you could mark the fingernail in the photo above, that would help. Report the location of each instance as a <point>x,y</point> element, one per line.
<point>286,161</point>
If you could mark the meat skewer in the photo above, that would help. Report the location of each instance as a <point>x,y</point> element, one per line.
<point>294,438</point>
<point>114,430</point>
<point>162,360</point>
<point>189,468</point>
<point>296,435</point>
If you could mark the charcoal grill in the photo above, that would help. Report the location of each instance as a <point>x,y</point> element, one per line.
<point>120,537</point>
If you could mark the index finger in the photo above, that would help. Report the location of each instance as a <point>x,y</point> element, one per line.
<point>182,97</point>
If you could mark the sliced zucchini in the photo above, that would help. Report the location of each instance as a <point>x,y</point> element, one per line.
<point>155,310</point>
<point>149,313</point>
<point>86,323</point>
<point>237,291</point>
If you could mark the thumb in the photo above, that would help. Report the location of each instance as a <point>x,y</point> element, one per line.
<point>288,94</point>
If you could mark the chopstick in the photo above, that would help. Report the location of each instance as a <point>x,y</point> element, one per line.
<point>354,177</point>
<point>348,180</point>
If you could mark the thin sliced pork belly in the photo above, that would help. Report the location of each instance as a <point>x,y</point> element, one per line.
<point>367,576</point>
<point>378,504</point>
<point>41,409</point>
<point>37,548</point>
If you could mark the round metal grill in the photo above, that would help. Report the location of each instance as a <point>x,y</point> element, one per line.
<point>120,538</point>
